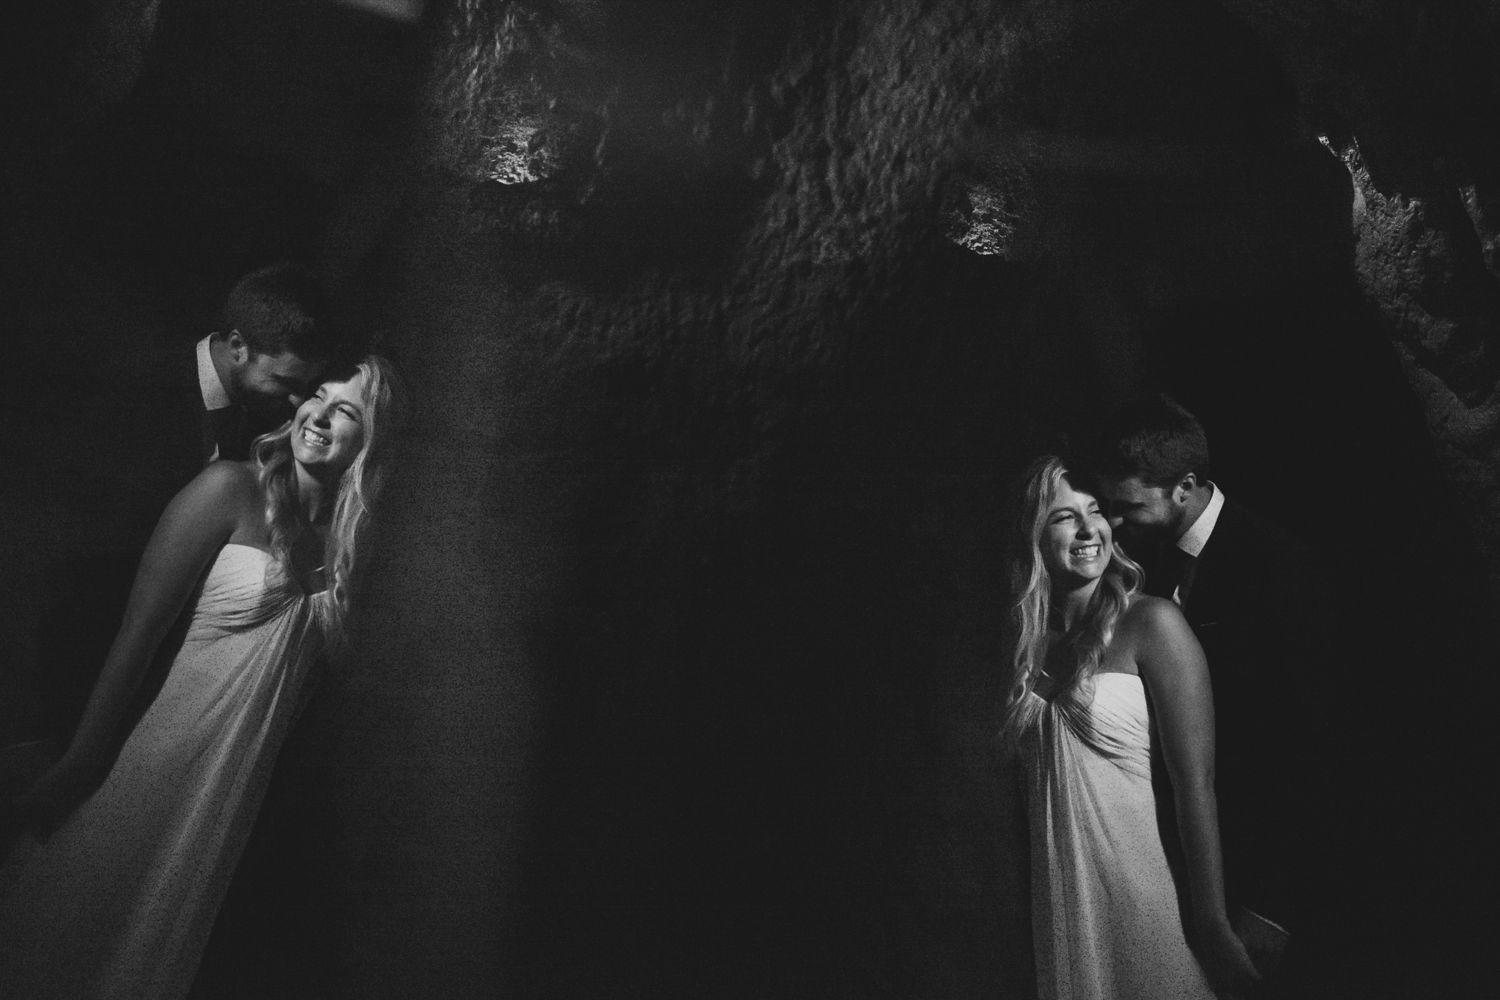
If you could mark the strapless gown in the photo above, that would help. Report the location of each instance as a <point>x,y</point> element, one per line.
<point>119,901</point>
<point>1104,905</point>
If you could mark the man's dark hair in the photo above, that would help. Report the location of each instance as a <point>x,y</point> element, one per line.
<point>279,308</point>
<point>1155,438</point>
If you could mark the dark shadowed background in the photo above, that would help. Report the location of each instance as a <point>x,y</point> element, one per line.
<point>729,325</point>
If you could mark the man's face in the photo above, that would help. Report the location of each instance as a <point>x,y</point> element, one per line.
<point>1142,512</point>
<point>273,380</point>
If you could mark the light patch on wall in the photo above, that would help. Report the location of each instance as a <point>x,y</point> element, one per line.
<point>409,11</point>
<point>508,155</point>
<point>986,225</point>
<point>984,210</point>
<point>1348,154</point>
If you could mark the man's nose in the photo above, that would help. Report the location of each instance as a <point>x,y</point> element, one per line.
<point>296,398</point>
<point>1115,520</point>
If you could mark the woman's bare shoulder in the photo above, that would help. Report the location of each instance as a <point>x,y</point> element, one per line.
<point>1150,621</point>
<point>221,491</point>
<point>1150,614</point>
<point>224,481</point>
<point>1157,634</point>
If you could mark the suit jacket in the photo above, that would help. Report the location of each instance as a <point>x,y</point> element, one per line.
<point>1255,605</point>
<point>179,434</point>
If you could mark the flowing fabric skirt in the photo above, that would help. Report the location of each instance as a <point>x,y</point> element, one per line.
<point>1104,905</point>
<point>119,901</point>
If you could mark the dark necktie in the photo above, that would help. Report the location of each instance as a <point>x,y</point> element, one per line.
<point>1182,568</point>
<point>1159,565</point>
<point>219,431</point>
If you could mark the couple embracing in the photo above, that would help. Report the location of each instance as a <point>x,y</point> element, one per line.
<point>121,850</point>
<point>1153,715</point>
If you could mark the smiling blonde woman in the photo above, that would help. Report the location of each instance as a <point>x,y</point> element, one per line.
<point>1099,673</point>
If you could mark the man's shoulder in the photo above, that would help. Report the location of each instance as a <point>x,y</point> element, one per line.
<point>1246,531</point>
<point>165,381</point>
<point>1256,559</point>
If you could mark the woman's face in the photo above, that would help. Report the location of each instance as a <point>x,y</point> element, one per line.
<point>329,428</point>
<point>1076,544</point>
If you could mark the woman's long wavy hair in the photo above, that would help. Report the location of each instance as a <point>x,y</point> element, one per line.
<point>1031,597</point>
<point>358,489</point>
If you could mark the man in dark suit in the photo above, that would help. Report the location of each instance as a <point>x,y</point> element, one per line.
<point>212,399</point>
<point>1250,591</point>
<point>263,360</point>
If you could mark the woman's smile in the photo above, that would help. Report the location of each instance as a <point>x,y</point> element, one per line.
<point>1076,544</point>
<point>329,427</point>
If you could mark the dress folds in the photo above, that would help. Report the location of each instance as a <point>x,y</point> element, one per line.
<point>119,901</point>
<point>1105,912</point>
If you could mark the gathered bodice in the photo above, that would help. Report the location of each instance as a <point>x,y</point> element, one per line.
<point>244,588</point>
<point>1108,713</point>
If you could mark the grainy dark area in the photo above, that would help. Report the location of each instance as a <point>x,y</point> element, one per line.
<point>729,324</point>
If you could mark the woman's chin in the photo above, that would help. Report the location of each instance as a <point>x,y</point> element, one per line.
<point>318,463</point>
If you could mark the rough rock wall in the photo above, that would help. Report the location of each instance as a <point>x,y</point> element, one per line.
<point>1406,95</point>
<point>687,647</point>
<point>678,273</point>
<point>684,280</point>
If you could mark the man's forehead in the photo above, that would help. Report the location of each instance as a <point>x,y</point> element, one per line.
<point>288,363</point>
<point>1130,486</point>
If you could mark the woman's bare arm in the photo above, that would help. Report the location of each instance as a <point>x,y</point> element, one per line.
<point>1172,664</point>
<point>195,525</point>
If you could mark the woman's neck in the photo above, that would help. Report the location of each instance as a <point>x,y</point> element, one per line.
<point>315,495</point>
<point>1069,605</point>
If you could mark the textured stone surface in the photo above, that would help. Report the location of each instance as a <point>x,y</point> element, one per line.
<point>1407,95</point>
<point>738,288</point>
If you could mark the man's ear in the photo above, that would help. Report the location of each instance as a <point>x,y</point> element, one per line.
<point>1185,486</point>
<point>239,351</point>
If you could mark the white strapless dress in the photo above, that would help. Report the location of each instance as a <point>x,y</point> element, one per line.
<point>1104,906</point>
<point>119,902</point>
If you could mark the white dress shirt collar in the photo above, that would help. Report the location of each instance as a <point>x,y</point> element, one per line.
<point>215,396</point>
<point>1197,535</point>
